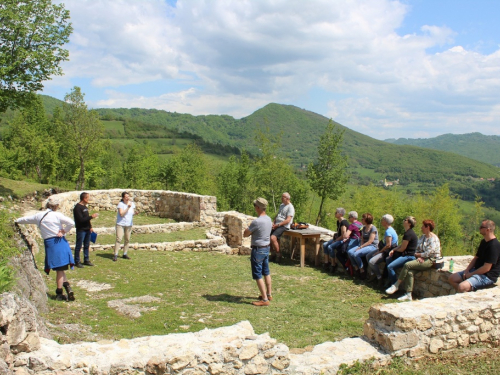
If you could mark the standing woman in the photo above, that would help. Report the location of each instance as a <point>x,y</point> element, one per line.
<point>53,226</point>
<point>124,216</point>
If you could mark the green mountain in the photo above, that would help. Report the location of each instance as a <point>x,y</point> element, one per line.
<point>416,168</point>
<point>473,145</point>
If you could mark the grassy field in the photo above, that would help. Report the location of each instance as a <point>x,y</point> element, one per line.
<point>208,290</point>
<point>185,235</point>
<point>19,189</point>
<point>107,219</point>
<point>478,359</point>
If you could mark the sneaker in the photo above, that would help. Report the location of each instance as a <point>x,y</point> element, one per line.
<point>405,297</point>
<point>69,292</point>
<point>269,297</point>
<point>115,258</point>
<point>125,256</point>
<point>88,263</point>
<point>261,303</point>
<point>392,289</point>
<point>79,265</point>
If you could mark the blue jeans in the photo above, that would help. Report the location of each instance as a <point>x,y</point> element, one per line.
<point>355,254</point>
<point>260,262</point>
<point>477,281</point>
<point>330,246</point>
<point>393,265</point>
<point>82,238</point>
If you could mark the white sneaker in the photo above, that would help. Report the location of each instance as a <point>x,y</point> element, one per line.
<point>405,297</point>
<point>392,289</point>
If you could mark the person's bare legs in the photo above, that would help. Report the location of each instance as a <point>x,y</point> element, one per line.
<point>262,288</point>
<point>60,279</point>
<point>275,244</point>
<point>460,286</point>
<point>268,282</point>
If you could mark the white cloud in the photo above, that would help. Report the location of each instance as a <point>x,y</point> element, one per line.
<point>235,56</point>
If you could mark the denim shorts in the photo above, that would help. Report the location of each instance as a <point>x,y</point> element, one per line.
<point>260,262</point>
<point>477,281</point>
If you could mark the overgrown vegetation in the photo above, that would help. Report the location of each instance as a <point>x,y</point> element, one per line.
<point>7,250</point>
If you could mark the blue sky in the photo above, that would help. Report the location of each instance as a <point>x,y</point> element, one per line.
<point>388,69</point>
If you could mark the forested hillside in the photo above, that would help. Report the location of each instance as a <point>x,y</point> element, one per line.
<point>415,168</point>
<point>476,146</point>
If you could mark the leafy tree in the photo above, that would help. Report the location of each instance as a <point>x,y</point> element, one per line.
<point>187,171</point>
<point>32,148</point>
<point>327,176</point>
<point>234,184</point>
<point>141,168</point>
<point>83,131</point>
<point>32,34</point>
<point>273,175</point>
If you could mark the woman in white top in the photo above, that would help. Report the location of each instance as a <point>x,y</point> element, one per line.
<point>124,216</point>
<point>428,250</point>
<point>58,257</point>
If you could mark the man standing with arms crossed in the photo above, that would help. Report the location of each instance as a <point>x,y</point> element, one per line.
<point>83,230</point>
<point>281,223</point>
<point>260,229</point>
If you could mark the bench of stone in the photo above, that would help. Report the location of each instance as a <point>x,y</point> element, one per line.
<point>434,324</point>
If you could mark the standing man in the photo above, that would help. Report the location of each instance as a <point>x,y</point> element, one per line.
<point>260,229</point>
<point>282,223</point>
<point>83,230</point>
<point>484,269</point>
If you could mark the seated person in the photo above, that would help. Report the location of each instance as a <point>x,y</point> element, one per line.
<point>351,239</point>
<point>337,240</point>
<point>281,223</point>
<point>428,250</point>
<point>389,242</point>
<point>407,250</point>
<point>484,268</point>
<point>368,246</point>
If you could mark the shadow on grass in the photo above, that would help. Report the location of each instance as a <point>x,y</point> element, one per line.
<point>106,255</point>
<point>224,297</point>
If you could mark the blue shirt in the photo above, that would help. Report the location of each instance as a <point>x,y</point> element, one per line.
<point>390,232</point>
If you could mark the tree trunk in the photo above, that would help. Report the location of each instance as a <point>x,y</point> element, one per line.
<point>80,183</point>
<point>320,210</point>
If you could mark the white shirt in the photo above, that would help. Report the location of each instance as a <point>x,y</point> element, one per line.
<point>126,220</point>
<point>51,224</point>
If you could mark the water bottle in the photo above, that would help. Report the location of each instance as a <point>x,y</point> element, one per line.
<point>452,263</point>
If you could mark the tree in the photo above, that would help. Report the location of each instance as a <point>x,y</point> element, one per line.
<point>32,148</point>
<point>82,130</point>
<point>273,175</point>
<point>141,168</point>
<point>327,176</point>
<point>187,171</point>
<point>31,37</point>
<point>233,184</point>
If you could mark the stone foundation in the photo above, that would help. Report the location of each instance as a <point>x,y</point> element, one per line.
<point>434,324</point>
<point>168,204</point>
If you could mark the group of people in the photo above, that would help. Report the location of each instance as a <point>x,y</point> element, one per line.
<point>54,225</point>
<point>357,248</point>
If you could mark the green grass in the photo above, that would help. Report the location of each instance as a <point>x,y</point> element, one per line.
<point>19,189</point>
<point>209,290</point>
<point>107,219</point>
<point>185,235</point>
<point>473,360</point>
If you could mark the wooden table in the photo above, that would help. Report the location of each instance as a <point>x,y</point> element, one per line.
<point>302,234</point>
